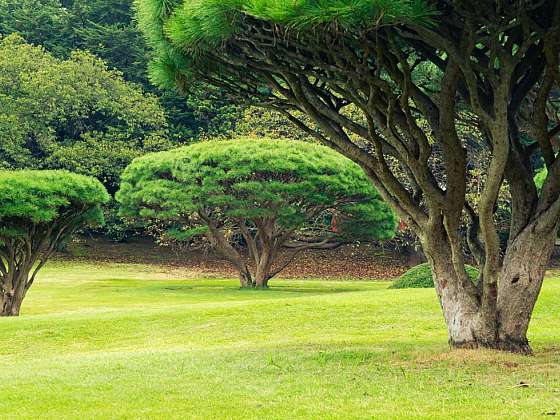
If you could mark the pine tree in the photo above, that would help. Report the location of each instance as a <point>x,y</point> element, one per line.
<point>408,66</point>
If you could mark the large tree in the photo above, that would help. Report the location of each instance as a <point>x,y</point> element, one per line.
<point>280,196</point>
<point>409,67</point>
<point>38,211</point>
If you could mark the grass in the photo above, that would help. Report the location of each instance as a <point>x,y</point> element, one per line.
<point>133,341</point>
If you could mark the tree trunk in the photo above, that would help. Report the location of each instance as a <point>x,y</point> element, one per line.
<point>10,304</point>
<point>11,300</point>
<point>467,327</point>
<point>245,279</point>
<point>15,289</point>
<point>262,272</point>
<point>216,237</point>
<point>519,282</point>
<point>264,264</point>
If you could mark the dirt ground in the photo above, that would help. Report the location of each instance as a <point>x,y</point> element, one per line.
<point>350,261</point>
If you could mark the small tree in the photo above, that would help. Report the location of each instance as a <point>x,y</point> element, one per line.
<point>38,211</point>
<point>275,194</point>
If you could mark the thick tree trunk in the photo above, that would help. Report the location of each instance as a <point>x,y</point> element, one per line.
<point>261,280</point>
<point>15,290</point>
<point>262,273</point>
<point>467,327</point>
<point>503,326</point>
<point>264,265</point>
<point>520,284</point>
<point>245,279</point>
<point>10,304</point>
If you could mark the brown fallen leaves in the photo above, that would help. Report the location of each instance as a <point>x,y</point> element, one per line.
<point>363,261</point>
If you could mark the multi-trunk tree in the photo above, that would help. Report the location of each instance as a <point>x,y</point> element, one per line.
<point>38,211</point>
<point>409,67</point>
<point>281,197</point>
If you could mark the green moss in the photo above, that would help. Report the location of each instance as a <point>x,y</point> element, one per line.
<point>421,277</point>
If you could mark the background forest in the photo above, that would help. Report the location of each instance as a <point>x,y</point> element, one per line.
<point>76,95</point>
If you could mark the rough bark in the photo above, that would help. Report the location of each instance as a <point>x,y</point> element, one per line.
<point>15,286</point>
<point>263,267</point>
<point>10,304</point>
<point>470,324</point>
<point>520,284</point>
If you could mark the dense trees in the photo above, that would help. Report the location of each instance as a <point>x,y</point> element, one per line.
<point>38,211</point>
<point>498,61</point>
<point>106,28</point>
<point>275,194</point>
<point>72,114</point>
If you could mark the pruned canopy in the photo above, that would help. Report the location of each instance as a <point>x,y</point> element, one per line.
<point>269,192</point>
<point>32,198</point>
<point>38,211</point>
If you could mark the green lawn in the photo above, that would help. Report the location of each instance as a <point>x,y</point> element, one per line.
<point>129,341</point>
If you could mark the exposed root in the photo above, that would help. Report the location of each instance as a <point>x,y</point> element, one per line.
<point>510,346</point>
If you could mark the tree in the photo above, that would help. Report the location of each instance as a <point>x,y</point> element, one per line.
<point>106,28</point>
<point>496,60</point>
<point>72,114</point>
<point>267,191</point>
<point>38,211</point>
<point>40,22</point>
<point>261,122</point>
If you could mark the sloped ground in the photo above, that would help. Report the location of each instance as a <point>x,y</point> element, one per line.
<point>104,340</point>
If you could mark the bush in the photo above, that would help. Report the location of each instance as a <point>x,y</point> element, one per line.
<point>421,277</point>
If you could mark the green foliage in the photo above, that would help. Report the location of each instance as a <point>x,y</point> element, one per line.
<point>72,114</point>
<point>29,198</point>
<point>182,32</point>
<point>421,277</point>
<point>251,179</point>
<point>40,22</point>
<point>261,122</point>
<point>106,28</point>
<point>540,178</point>
<point>39,210</point>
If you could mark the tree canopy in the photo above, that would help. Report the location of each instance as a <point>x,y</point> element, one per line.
<point>409,67</point>
<point>72,114</point>
<point>269,192</point>
<point>106,28</point>
<point>38,211</point>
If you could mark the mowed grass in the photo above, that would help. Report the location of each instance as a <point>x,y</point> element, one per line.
<point>133,341</point>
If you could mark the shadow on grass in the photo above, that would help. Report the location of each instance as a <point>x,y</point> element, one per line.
<point>206,286</point>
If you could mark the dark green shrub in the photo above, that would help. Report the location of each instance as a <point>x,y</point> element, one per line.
<point>421,277</point>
